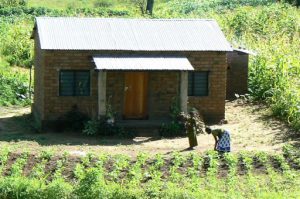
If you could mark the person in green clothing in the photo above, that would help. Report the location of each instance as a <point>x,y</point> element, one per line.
<point>193,124</point>
<point>222,139</point>
<point>191,132</point>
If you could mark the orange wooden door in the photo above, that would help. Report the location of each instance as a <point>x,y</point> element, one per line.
<point>136,90</point>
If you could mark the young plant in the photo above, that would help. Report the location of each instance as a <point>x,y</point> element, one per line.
<point>46,154</point>
<point>159,161</point>
<point>86,160</point>
<point>291,154</point>
<point>177,161</point>
<point>135,173</point>
<point>102,160</point>
<point>231,161</point>
<point>197,161</point>
<point>231,180</point>
<point>282,162</point>
<point>121,163</point>
<point>247,162</point>
<point>60,166</point>
<point>154,171</point>
<point>79,171</point>
<point>212,163</point>
<point>38,171</point>
<point>4,155</point>
<point>17,167</point>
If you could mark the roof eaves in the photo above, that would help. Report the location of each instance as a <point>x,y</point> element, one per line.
<point>245,51</point>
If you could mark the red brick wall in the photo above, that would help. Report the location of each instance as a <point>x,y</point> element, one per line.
<point>212,106</point>
<point>163,86</point>
<point>237,74</point>
<point>115,91</point>
<point>55,105</point>
<point>38,105</point>
<point>163,90</point>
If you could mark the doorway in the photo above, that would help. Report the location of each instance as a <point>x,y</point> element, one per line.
<point>136,95</point>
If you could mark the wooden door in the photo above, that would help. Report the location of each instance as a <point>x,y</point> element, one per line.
<point>136,93</point>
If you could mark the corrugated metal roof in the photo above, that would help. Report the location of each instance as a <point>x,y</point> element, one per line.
<point>67,33</point>
<point>174,63</point>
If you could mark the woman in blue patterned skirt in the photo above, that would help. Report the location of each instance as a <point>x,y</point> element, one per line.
<point>222,139</point>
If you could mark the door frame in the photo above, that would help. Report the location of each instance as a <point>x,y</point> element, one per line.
<point>145,100</point>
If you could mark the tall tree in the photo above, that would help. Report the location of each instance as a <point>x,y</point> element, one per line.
<point>145,6</point>
<point>149,7</point>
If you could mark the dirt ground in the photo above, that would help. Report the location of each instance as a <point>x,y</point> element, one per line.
<point>251,127</point>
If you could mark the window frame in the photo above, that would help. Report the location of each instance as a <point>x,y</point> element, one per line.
<point>74,94</point>
<point>192,94</point>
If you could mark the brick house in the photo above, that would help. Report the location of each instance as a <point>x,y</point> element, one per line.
<point>137,66</point>
<point>237,72</point>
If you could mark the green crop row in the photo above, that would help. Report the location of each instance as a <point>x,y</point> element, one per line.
<point>209,175</point>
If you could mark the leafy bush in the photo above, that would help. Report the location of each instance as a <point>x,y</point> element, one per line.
<point>103,3</point>
<point>91,127</point>
<point>172,129</point>
<point>103,127</point>
<point>32,12</point>
<point>200,8</point>
<point>175,127</point>
<point>14,87</point>
<point>18,53</point>
<point>57,189</point>
<point>12,3</point>
<point>192,121</point>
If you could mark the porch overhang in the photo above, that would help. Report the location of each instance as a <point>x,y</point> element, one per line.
<point>143,63</point>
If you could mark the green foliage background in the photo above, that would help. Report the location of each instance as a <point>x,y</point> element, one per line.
<point>269,28</point>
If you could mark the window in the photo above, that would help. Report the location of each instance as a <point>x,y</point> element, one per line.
<point>74,83</point>
<point>198,84</point>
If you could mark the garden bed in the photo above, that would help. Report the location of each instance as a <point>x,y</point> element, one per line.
<point>110,176</point>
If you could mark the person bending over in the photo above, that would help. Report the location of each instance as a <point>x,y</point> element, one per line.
<point>222,139</point>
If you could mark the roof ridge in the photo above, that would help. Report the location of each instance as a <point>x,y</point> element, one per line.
<point>133,34</point>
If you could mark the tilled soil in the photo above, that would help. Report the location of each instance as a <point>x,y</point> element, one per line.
<point>109,166</point>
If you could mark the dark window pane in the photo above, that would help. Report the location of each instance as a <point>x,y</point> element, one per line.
<point>66,83</point>
<point>82,86</point>
<point>198,84</point>
<point>74,83</point>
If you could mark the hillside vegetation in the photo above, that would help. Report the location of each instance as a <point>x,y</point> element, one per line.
<point>269,28</point>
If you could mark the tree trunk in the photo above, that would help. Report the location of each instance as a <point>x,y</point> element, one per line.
<point>149,7</point>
